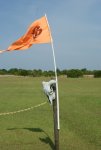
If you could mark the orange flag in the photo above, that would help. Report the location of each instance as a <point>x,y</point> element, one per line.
<point>38,32</point>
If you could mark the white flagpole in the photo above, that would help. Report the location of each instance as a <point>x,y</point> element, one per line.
<point>57,91</point>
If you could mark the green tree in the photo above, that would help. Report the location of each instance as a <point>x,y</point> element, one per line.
<point>74,73</point>
<point>97,74</point>
<point>3,71</point>
<point>13,71</point>
<point>23,72</point>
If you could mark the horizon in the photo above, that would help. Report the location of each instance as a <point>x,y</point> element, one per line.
<point>51,70</point>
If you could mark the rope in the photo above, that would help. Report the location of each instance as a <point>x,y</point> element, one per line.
<point>22,110</point>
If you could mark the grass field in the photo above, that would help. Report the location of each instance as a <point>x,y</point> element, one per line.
<point>80,114</point>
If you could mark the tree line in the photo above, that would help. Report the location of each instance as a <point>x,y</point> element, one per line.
<point>73,73</point>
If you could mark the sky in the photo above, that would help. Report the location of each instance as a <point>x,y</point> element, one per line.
<point>75,27</point>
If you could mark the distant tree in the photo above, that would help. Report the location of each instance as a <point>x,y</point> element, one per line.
<point>23,72</point>
<point>3,71</point>
<point>87,72</point>
<point>29,72</point>
<point>64,72</point>
<point>36,73</point>
<point>84,71</point>
<point>50,73</point>
<point>58,72</point>
<point>45,73</point>
<point>13,71</point>
<point>74,73</point>
<point>97,74</point>
<point>39,72</point>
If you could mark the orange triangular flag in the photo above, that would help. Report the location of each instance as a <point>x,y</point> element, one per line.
<point>38,32</point>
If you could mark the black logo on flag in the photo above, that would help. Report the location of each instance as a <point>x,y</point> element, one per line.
<point>36,31</point>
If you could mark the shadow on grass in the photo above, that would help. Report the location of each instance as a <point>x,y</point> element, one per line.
<point>46,140</point>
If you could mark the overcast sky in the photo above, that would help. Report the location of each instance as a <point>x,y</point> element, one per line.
<point>75,27</point>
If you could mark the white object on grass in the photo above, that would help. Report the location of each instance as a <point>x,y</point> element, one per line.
<point>50,89</point>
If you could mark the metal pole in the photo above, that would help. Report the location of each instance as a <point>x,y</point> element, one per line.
<point>55,68</point>
<point>57,90</point>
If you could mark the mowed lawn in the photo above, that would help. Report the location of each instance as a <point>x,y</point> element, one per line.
<point>80,114</point>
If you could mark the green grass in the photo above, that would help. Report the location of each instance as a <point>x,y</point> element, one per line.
<point>80,114</point>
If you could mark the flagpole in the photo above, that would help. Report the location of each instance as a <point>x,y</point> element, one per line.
<point>56,101</point>
<point>57,91</point>
<point>55,68</point>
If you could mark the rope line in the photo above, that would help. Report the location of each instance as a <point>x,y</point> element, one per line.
<point>22,110</point>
